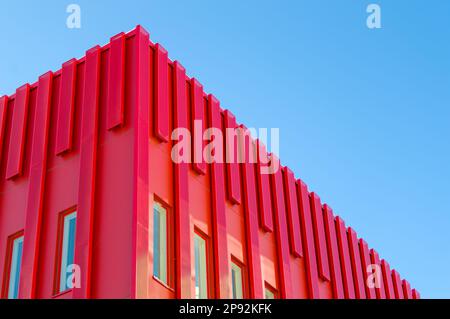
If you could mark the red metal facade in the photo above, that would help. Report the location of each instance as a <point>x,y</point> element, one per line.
<point>95,137</point>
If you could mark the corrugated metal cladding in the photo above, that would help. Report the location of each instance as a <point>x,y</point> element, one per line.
<point>94,137</point>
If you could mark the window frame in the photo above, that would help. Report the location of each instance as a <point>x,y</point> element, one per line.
<point>271,289</point>
<point>243,270</point>
<point>208,262</point>
<point>170,244</point>
<point>59,249</point>
<point>8,263</point>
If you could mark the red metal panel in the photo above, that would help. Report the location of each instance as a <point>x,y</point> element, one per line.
<point>263,182</point>
<point>365,261</point>
<point>358,277</point>
<point>389,287</point>
<point>86,187</point>
<point>161,106</point>
<point>64,131</point>
<point>281,233</point>
<point>415,294</point>
<point>3,113</point>
<point>407,289</point>
<point>181,182</point>
<point>18,132</point>
<point>197,112</point>
<point>319,235</point>
<point>333,253</point>
<point>28,275</point>
<point>252,229</point>
<point>346,264</point>
<point>376,261</point>
<point>397,285</point>
<point>221,273</point>
<point>308,240</point>
<point>116,84</point>
<point>232,166</point>
<point>292,210</point>
<point>140,75</point>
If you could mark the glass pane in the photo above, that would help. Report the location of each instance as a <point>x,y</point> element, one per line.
<point>156,236</point>
<point>71,243</point>
<point>201,277</point>
<point>68,250</point>
<point>160,242</point>
<point>236,281</point>
<point>269,294</point>
<point>16,263</point>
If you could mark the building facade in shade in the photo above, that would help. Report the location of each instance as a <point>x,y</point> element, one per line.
<point>92,204</point>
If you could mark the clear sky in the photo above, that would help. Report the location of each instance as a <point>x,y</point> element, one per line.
<point>364,115</point>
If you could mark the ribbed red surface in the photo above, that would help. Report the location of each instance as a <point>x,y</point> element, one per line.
<point>95,137</point>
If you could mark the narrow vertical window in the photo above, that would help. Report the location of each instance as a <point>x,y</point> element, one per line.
<point>67,250</point>
<point>236,281</point>
<point>160,253</point>
<point>201,272</point>
<point>15,266</point>
<point>269,292</point>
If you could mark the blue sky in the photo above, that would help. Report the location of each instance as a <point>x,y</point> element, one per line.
<point>363,114</point>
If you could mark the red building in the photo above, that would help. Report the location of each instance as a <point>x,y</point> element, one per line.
<point>93,206</point>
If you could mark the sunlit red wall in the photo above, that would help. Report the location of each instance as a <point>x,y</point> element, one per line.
<point>95,137</point>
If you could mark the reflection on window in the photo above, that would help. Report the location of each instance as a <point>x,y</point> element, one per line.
<point>201,275</point>
<point>269,292</point>
<point>236,281</point>
<point>16,263</point>
<point>160,243</point>
<point>67,251</point>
